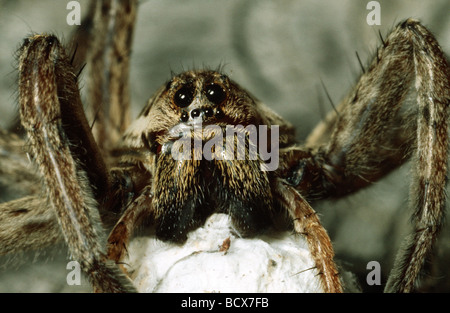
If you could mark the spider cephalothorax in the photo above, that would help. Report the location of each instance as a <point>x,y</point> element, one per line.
<point>204,145</point>
<point>202,112</point>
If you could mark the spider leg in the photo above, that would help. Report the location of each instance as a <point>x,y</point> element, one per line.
<point>400,105</point>
<point>67,156</point>
<point>428,189</point>
<point>121,234</point>
<point>77,47</point>
<point>307,223</point>
<point>108,67</point>
<point>27,224</point>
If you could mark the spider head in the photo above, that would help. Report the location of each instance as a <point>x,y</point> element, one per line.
<point>209,97</point>
<point>193,99</point>
<point>205,96</point>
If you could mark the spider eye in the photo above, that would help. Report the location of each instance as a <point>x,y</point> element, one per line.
<point>215,93</point>
<point>184,96</point>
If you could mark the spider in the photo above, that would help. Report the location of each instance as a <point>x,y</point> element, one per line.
<point>116,174</point>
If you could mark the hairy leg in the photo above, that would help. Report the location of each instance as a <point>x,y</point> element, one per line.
<point>108,68</point>
<point>66,155</point>
<point>307,224</point>
<point>27,224</point>
<point>428,195</point>
<point>400,105</point>
<point>133,216</point>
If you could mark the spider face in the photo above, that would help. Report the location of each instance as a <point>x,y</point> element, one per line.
<point>203,107</point>
<point>205,97</point>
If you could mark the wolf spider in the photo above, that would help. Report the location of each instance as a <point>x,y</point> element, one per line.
<point>117,175</point>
